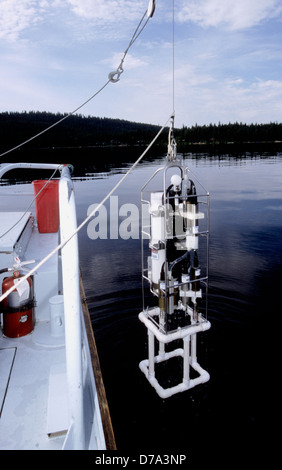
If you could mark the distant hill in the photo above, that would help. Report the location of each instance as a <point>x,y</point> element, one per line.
<point>74,131</point>
<point>82,131</point>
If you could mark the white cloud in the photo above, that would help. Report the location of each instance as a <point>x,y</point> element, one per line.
<point>233,15</point>
<point>230,101</point>
<point>105,19</point>
<point>109,10</point>
<point>19,16</point>
<point>15,16</point>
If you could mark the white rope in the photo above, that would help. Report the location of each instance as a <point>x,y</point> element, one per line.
<point>61,245</point>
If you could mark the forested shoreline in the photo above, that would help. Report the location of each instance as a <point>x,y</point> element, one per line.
<point>75,131</point>
<point>83,131</point>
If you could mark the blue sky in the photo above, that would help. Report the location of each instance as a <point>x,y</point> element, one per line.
<point>54,54</point>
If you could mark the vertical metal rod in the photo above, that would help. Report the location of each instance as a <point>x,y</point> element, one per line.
<point>186,359</point>
<point>151,339</point>
<point>208,252</point>
<point>142,253</point>
<point>194,348</point>
<point>161,349</point>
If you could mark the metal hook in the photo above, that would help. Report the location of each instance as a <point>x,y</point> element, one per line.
<point>117,73</point>
<point>172,146</point>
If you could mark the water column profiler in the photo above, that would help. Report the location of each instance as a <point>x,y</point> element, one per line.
<point>174,242</point>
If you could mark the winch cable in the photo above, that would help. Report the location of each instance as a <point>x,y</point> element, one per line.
<point>61,245</point>
<point>150,11</point>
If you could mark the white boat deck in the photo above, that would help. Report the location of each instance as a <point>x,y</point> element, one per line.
<point>33,367</point>
<point>37,409</point>
<point>33,392</point>
<point>33,379</point>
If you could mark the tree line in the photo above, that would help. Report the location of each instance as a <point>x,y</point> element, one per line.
<point>75,131</point>
<point>87,131</point>
<point>232,133</point>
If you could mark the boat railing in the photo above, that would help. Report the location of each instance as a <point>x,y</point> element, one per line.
<point>76,331</point>
<point>72,305</point>
<point>4,168</point>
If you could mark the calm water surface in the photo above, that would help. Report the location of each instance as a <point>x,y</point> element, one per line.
<point>220,420</point>
<point>223,416</point>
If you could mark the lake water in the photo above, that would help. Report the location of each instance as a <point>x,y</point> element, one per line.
<point>222,417</point>
<point>244,296</point>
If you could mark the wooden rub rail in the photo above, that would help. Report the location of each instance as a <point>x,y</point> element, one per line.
<point>102,398</point>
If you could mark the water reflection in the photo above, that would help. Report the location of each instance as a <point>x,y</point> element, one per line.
<point>245,260</point>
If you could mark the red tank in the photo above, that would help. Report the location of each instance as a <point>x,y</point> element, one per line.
<point>17,307</point>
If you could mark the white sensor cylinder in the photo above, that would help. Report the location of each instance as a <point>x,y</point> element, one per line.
<point>157,235</point>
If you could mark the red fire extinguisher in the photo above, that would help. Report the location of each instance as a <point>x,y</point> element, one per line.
<point>18,306</point>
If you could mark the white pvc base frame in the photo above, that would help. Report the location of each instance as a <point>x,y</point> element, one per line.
<point>188,353</point>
